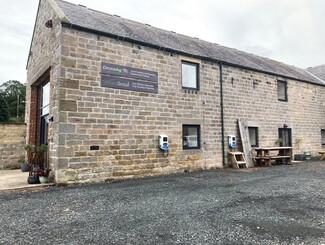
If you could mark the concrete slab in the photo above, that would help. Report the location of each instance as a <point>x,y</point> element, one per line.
<point>16,179</point>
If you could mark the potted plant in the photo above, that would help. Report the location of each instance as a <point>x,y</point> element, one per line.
<point>307,155</point>
<point>43,175</point>
<point>38,166</point>
<point>299,156</point>
<point>29,148</point>
<point>38,157</point>
<point>278,141</point>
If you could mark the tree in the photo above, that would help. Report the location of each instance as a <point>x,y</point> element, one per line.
<point>14,93</point>
<point>4,109</point>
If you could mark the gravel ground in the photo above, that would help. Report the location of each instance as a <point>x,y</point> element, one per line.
<point>284,204</point>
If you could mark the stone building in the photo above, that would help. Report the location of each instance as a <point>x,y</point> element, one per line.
<point>101,89</point>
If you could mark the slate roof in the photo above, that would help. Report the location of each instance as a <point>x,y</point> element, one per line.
<point>111,25</point>
<point>318,71</point>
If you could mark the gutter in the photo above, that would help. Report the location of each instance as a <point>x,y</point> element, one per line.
<point>127,39</point>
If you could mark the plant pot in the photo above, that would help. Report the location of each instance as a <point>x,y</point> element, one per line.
<point>299,157</point>
<point>32,180</point>
<point>24,167</point>
<point>43,179</point>
<point>307,155</point>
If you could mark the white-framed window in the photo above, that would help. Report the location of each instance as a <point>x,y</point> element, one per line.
<point>190,75</point>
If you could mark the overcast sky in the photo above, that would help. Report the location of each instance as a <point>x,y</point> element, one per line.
<point>290,31</point>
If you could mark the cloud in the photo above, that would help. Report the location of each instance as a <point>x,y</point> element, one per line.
<point>17,22</point>
<point>288,31</point>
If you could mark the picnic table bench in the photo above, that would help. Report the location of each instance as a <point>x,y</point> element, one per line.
<point>279,153</point>
<point>322,155</point>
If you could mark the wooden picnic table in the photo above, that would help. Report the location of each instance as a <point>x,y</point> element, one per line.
<point>322,155</point>
<point>268,154</point>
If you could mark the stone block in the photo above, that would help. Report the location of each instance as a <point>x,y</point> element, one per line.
<point>68,62</point>
<point>66,175</point>
<point>69,83</point>
<point>66,128</point>
<point>68,105</point>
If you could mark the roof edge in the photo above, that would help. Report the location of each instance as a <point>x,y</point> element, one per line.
<point>318,78</point>
<point>30,45</point>
<point>122,38</point>
<point>58,11</point>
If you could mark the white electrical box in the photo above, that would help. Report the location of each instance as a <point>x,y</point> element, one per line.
<point>232,141</point>
<point>163,142</point>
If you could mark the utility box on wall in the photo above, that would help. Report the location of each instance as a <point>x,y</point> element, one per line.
<point>163,142</point>
<point>232,141</point>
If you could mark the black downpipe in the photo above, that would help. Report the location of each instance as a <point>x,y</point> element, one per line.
<point>222,117</point>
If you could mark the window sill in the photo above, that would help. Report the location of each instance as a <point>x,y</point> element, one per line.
<point>192,149</point>
<point>190,90</point>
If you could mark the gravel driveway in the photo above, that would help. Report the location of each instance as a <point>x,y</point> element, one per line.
<point>284,204</point>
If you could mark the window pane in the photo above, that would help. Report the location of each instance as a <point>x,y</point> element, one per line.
<point>46,94</point>
<point>189,75</point>
<point>252,136</point>
<point>191,136</point>
<point>45,110</point>
<point>45,99</point>
<point>282,90</point>
<point>323,136</point>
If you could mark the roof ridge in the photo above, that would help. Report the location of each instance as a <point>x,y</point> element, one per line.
<point>315,76</point>
<point>311,67</point>
<point>180,34</point>
<point>134,21</point>
<point>135,31</point>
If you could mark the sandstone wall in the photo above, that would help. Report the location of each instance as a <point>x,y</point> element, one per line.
<point>126,124</point>
<point>252,96</point>
<point>12,140</point>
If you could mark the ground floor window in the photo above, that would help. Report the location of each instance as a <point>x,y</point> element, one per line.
<point>323,136</point>
<point>253,136</point>
<point>191,137</point>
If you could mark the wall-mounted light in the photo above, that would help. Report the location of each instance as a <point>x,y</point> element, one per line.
<point>50,118</point>
<point>49,24</point>
<point>285,125</point>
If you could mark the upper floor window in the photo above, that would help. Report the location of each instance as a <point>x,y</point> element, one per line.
<point>323,136</point>
<point>45,99</point>
<point>190,75</point>
<point>282,91</point>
